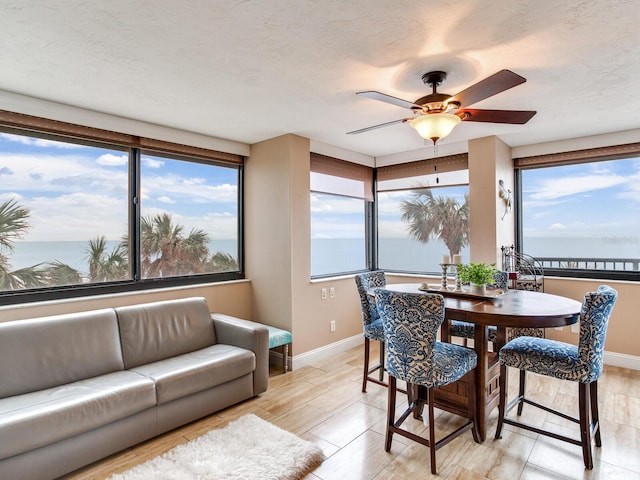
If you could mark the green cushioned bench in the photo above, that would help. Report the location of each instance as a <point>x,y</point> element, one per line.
<point>280,338</point>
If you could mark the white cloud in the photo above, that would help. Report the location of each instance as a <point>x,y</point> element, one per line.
<point>555,188</point>
<point>165,199</point>
<point>77,216</point>
<point>152,162</point>
<point>109,159</point>
<point>178,188</point>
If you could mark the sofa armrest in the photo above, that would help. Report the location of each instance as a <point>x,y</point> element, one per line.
<point>250,335</point>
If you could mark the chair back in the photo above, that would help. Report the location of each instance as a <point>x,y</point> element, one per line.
<point>410,322</point>
<point>594,319</point>
<point>501,280</point>
<point>365,282</point>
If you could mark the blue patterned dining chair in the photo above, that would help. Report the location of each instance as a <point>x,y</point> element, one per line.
<point>411,322</point>
<point>371,324</point>
<point>465,330</point>
<point>581,363</point>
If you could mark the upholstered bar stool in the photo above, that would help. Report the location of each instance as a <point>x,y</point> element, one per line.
<point>411,322</point>
<point>581,364</point>
<point>371,324</point>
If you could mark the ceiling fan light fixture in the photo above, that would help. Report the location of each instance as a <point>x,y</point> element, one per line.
<point>435,126</point>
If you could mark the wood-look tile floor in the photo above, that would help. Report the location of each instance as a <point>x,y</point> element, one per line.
<point>323,403</point>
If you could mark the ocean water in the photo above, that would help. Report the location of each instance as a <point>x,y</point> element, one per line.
<point>343,255</point>
<point>74,254</point>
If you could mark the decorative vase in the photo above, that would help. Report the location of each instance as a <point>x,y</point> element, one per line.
<point>478,288</point>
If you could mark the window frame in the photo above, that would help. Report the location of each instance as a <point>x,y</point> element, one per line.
<point>36,127</point>
<point>364,177</point>
<point>430,167</point>
<point>593,155</point>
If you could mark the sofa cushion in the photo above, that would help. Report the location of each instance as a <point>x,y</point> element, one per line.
<point>196,371</point>
<point>37,419</point>
<point>154,331</point>
<point>43,352</point>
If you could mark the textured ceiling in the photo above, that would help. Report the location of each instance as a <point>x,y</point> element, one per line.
<point>251,70</point>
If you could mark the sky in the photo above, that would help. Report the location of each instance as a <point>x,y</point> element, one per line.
<point>600,199</point>
<point>76,192</point>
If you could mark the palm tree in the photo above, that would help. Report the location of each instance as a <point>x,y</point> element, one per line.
<point>437,217</point>
<point>58,273</point>
<point>103,266</point>
<point>222,262</point>
<point>165,251</point>
<point>13,226</point>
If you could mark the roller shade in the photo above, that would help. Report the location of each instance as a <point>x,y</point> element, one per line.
<point>338,177</point>
<point>579,156</point>
<point>451,170</point>
<point>44,125</point>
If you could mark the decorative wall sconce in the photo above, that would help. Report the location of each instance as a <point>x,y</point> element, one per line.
<point>505,195</point>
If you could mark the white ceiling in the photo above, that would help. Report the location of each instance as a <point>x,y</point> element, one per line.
<point>248,71</point>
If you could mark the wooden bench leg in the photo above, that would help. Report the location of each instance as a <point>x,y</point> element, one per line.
<point>285,356</point>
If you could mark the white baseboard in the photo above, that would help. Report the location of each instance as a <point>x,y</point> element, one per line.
<point>610,358</point>
<point>622,360</point>
<point>327,351</point>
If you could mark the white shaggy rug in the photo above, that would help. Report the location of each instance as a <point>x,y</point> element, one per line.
<point>249,448</point>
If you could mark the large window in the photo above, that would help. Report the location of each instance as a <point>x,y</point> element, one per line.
<point>341,194</point>
<point>90,217</point>
<point>416,227</point>
<point>338,234</point>
<point>189,217</point>
<point>583,219</point>
<point>422,214</point>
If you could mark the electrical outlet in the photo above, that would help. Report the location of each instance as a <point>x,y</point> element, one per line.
<point>323,293</point>
<point>332,292</point>
<point>575,328</point>
<point>332,325</point>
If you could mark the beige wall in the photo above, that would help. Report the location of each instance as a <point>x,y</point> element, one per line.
<point>278,249</point>
<point>489,162</point>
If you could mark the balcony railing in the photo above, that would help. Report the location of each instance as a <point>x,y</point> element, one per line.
<point>610,264</point>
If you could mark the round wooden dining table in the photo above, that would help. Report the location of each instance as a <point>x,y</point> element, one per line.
<point>513,308</point>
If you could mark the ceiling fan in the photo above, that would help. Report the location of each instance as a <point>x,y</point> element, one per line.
<point>436,114</point>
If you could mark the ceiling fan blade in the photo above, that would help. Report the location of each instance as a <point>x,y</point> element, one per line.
<point>496,116</point>
<point>383,97</point>
<point>496,83</point>
<point>362,130</point>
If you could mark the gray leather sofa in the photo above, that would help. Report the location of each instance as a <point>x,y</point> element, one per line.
<point>76,388</point>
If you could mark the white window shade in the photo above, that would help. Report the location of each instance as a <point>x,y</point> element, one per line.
<point>338,177</point>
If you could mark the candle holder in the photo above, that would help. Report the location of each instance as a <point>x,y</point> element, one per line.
<point>458,281</point>
<point>443,282</point>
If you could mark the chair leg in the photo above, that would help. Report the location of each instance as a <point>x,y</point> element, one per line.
<point>595,420</point>
<point>502,403</point>
<point>381,371</point>
<point>432,429</point>
<point>366,364</point>
<point>521,386</point>
<point>391,412</point>
<point>585,426</point>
